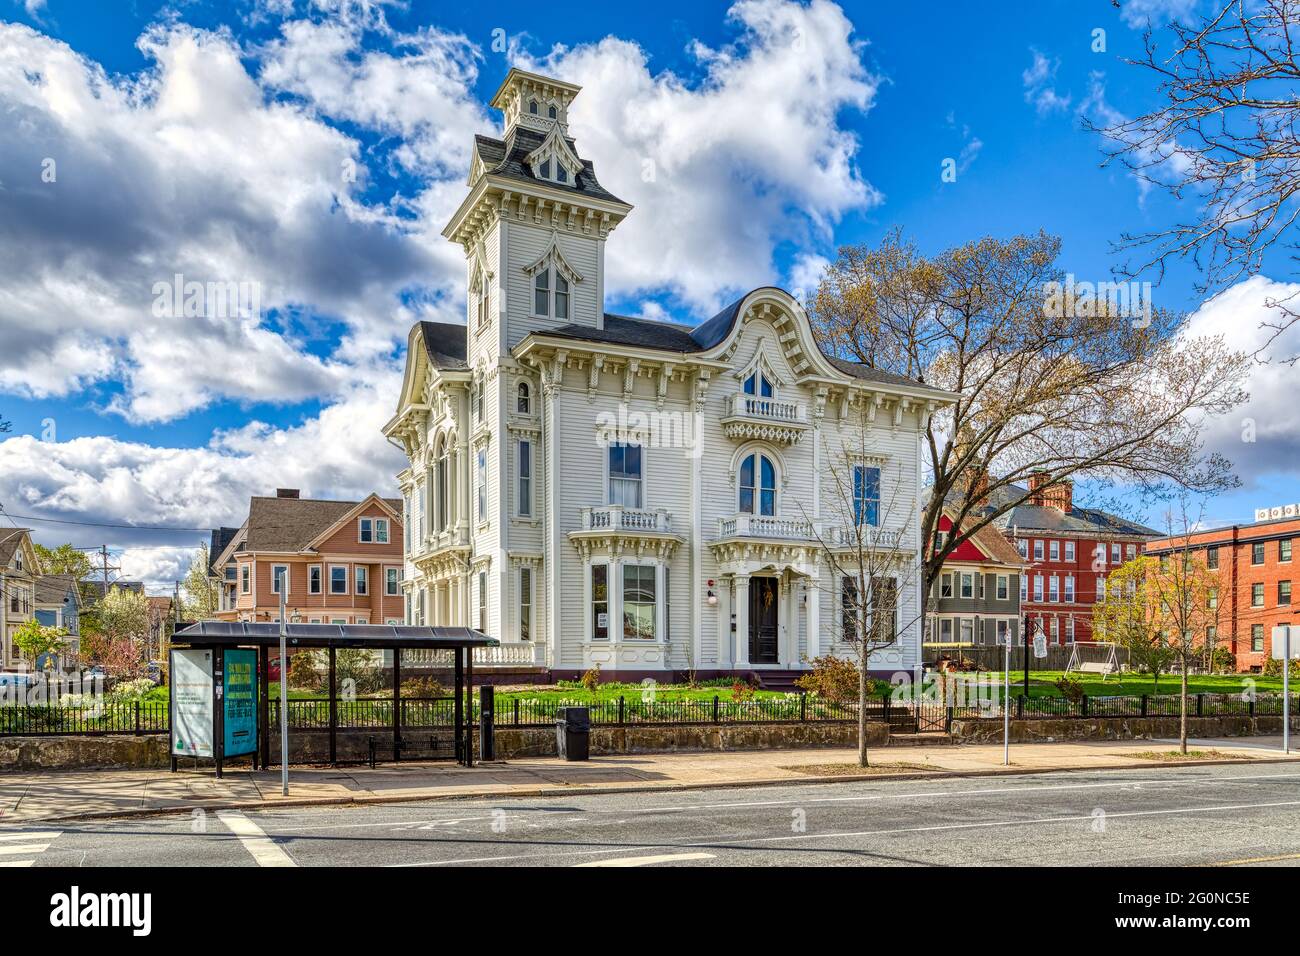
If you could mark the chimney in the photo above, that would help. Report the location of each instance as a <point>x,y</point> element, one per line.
<point>1059,495</point>
<point>286,492</point>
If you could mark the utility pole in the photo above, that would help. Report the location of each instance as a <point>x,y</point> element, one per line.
<point>103,550</point>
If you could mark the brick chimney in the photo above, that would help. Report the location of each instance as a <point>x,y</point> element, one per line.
<point>286,492</point>
<point>1059,495</point>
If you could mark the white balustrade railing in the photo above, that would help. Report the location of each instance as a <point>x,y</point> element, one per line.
<point>763,526</point>
<point>619,518</point>
<point>523,654</point>
<point>768,409</point>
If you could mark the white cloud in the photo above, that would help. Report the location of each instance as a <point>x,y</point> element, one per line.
<point>806,274</point>
<point>1138,13</point>
<point>1039,80</point>
<point>750,156</point>
<point>110,185</point>
<point>1239,314</point>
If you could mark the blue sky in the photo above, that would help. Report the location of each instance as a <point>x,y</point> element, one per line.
<point>206,138</point>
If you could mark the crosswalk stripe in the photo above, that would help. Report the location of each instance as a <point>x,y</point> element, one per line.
<point>16,862</point>
<point>24,848</point>
<point>264,850</point>
<point>650,860</point>
<point>30,835</point>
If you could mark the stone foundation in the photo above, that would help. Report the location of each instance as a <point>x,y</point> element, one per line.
<point>1112,728</point>
<point>83,753</point>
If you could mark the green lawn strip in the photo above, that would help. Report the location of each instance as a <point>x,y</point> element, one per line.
<point>852,769</point>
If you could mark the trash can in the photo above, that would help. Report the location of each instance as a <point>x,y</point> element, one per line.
<point>572,732</point>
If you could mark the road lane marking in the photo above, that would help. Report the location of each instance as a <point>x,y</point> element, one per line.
<point>1259,859</point>
<point>15,849</point>
<point>30,835</point>
<point>842,834</point>
<point>16,862</point>
<point>263,850</point>
<point>650,860</point>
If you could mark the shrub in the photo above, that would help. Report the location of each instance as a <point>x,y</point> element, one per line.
<point>424,687</point>
<point>834,678</point>
<point>740,691</point>
<point>304,672</point>
<point>130,690</point>
<point>1223,661</point>
<point>1273,668</point>
<point>356,665</point>
<point>591,679</point>
<point>1071,689</point>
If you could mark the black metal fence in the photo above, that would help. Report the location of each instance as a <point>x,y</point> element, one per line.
<point>151,717</point>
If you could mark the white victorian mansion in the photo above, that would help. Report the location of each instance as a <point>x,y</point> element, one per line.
<point>642,496</point>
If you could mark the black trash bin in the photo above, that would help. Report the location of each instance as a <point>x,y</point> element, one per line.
<point>573,732</point>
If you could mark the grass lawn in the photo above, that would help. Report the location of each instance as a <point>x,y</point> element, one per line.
<point>1042,683</point>
<point>1173,755</point>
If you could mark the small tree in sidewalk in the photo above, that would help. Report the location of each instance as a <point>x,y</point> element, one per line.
<point>1124,615</point>
<point>864,537</point>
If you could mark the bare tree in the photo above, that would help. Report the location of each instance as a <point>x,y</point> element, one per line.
<point>1081,391</point>
<point>866,542</point>
<point>1225,137</point>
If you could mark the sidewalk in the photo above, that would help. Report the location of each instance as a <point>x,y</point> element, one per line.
<point>30,797</point>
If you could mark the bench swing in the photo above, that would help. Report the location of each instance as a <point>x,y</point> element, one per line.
<point>1102,659</point>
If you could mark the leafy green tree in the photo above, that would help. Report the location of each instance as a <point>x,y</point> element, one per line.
<point>124,615</point>
<point>34,639</point>
<point>198,596</point>
<point>65,559</point>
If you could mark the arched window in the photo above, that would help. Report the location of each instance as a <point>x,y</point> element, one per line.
<point>542,293</point>
<point>522,402</point>
<point>757,485</point>
<point>443,474</point>
<point>546,169</point>
<point>561,296</point>
<point>758,384</point>
<point>532,107</point>
<point>561,174</point>
<point>552,113</point>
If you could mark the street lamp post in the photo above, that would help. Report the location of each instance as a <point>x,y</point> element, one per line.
<point>284,703</point>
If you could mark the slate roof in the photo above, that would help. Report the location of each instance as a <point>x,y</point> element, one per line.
<point>221,538</point>
<point>290,524</point>
<point>10,541</point>
<point>53,588</point>
<point>1027,517</point>
<point>445,344</point>
<point>677,337</point>
<point>505,158</point>
<point>95,586</point>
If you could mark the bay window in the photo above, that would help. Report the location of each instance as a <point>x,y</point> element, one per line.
<point>639,600</point>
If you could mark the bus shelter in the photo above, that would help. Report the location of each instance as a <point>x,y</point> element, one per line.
<point>220,637</point>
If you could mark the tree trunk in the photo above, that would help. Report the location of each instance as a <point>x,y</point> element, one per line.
<point>1182,719</point>
<point>862,713</point>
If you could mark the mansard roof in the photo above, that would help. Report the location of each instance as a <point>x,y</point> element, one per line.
<point>445,344</point>
<point>678,337</point>
<point>507,159</point>
<point>1045,518</point>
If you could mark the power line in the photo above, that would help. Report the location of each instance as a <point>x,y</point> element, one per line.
<point>95,524</point>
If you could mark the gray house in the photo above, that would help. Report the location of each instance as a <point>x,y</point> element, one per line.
<point>976,599</point>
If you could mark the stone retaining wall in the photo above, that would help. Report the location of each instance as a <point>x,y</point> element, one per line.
<point>312,746</point>
<point>1112,728</point>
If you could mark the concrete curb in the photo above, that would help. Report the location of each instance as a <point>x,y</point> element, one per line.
<point>573,791</point>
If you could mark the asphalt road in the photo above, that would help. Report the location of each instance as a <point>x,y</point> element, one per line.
<point>1238,815</point>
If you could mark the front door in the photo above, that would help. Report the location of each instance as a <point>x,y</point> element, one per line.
<point>762,621</point>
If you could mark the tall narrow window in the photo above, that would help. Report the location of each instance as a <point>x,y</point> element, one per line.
<point>482,601</point>
<point>482,484</point>
<point>542,293</point>
<point>561,296</point>
<point>884,610</point>
<point>600,602</point>
<point>362,579</point>
<point>525,478</point>
<point>757,486</point>
<point>625,475</point>
<point>758,384</point>
<point>443,475</point>
<point>550,111</point>
<point>366,530</point>
<point>849,608</point>
<point>313,579</point>
<point>279,578</point>
<point>523,399</point>
<point>866,495</point>
<point>392,578</point>
<point>244,578</point>
<point>525,603</point>
<point>639,602</point>
<point>406,522</point>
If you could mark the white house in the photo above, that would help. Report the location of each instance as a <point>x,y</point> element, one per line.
<point>642,496</point>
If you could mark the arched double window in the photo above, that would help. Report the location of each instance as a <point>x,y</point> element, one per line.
<point>757,491</point>
<point>758,385</point>
<point>443,473</point>
<point>548,301</point>
<point>523,402</point>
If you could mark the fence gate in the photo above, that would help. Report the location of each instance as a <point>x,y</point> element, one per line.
<point>931,718</point>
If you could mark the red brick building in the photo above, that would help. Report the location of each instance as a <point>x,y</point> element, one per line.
<point>1258,568</point>
<point>1068,553</point>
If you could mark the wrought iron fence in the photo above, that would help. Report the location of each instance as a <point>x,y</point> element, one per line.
<point>152,717</point>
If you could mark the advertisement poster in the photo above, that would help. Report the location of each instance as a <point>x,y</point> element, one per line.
<point>240,702</point>
<point>191,691</point>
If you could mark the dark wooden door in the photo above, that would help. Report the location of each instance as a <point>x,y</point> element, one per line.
<point>762,620</point>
